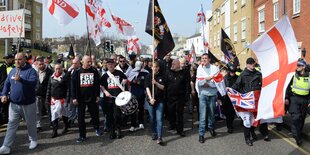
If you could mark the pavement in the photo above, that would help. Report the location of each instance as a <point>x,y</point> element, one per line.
<point>287,121</point>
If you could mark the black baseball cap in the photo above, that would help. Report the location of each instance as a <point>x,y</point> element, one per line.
<point>250,61</point>
<point>9,56</point>
<point>28,51</point>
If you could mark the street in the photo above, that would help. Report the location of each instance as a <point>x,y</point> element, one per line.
<point>140,142</point>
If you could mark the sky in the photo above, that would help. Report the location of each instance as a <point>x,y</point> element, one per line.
<point>179,14</point>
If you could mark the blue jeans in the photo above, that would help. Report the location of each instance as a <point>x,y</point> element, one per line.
<point>206,106</point>
<point>156,118</point>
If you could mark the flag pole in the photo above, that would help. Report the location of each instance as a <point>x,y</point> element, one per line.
<point>21,24</point>
<point>203,31</point>
<point>153,43</point>
<point>88,40</point>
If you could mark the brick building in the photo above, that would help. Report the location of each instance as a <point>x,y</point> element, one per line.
<point>268,12</point>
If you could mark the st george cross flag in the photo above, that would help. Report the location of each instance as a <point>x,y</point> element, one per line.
<point>201,18</point>
<point>133,44</point>
<point>277,53</point>
<point>63,10</point>
<point>123,27</point>
<point>192,56</point>
<point>96,20</point>
<point>219,83</point>
<point>245,101</point>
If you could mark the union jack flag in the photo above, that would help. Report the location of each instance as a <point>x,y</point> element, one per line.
<point>245,101</point>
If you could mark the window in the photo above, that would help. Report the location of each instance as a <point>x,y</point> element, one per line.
<point>38,23</point>
<point>214,40</point>
<point>243,3</point>
<point>218,17</point>
<point>261,20</point>
<point>296,7</point>
<point>38,36</point>
<point>218,39</point>
<point>235,5</point>
<point>214,21</point>
<point>210,43</point>
<point>243,29</point>
<point>276,11</point>
<point>235,32</point>
<point>38,9</point>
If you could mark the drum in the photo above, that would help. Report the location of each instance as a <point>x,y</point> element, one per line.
<point>126,102</point>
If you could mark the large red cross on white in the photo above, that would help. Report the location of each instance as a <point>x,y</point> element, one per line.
<point>280,74</point>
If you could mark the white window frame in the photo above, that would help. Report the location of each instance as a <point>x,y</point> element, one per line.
<point>261,20</point>
<point>215,39</point>
<point>296,7</point>
<point>276,11</point>
<point>235,32</point>
<point>235,5</point>
<point>243,28</point>
<point>243,3</point>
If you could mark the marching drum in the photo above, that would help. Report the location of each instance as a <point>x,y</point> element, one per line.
<point>126,102</point>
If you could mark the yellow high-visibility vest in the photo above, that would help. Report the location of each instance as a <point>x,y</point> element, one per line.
<point>301,86</point>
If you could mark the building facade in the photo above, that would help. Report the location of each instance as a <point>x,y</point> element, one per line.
<point>268,12</point>
<point>235,18</point>
<point>33,21</point>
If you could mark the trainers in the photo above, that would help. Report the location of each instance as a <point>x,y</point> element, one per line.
<point>159,141</point>
<point>141,126</point>
<point>5,150</point>
<point>33,145</point>
<point>80,140</point>
<point>132,129</point>
<point>98,132</point>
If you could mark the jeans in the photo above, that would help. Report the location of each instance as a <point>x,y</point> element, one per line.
<point>28,113</point>
<point>72,111</point>
<point>206,107</point>
<point>40,102</point>
<point>156,118</point>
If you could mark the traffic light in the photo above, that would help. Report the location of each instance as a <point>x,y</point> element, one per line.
<point>107,45</point>
<point>13,48</point>
<point>112,48</point>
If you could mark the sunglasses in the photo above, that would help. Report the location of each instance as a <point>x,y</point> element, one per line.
<point>300,65</point>
<point>121,61</point>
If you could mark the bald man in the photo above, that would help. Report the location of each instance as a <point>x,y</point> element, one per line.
<point>177,86</point>
<point>20,86</point>
<point>85,89</point>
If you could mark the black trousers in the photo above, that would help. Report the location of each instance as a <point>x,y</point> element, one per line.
<point>228,111</point>
<point>175,112</point>
<point>114,114</point>
<point>247,132</point>
<point>55,122</point>
<point>140,112</point>
<point>94,113</point>
<point>263,129</point>
<point>4,112</point>
<point>298,111</point>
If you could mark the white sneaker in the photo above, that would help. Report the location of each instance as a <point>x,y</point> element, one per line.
<point>141,126</point>
<point>5,150</point>
<point>33,145</point>
<point>132,129</point>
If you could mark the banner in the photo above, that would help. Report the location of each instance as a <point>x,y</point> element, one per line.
<point>11,24</point>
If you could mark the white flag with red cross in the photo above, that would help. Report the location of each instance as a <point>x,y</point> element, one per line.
<point>133,44</point>
<point>97,21</point>
<point>123,27</point>
<point>277,54</point>
<point>63,10</point>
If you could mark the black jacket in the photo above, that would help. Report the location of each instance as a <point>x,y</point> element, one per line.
<point>58,88</point>
<point>177,83</point>
<point>42,87</point>
<point>248,81</point>
<point>230,80</point>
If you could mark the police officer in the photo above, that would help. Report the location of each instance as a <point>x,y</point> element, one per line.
<point>5,69</point>
<point>297,97</point>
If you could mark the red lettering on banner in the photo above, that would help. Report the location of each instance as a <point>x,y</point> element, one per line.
<point>67,8</point>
